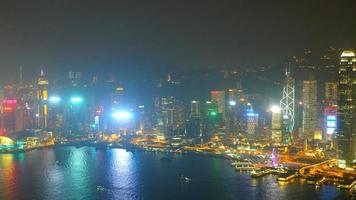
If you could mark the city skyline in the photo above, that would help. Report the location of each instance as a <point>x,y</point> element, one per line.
<point>160,99</point>
<point>121,35</point>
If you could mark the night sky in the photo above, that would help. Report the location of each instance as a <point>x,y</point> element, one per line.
<point>105,35</point>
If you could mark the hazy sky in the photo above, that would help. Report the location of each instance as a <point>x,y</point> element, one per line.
<point>133,34</point>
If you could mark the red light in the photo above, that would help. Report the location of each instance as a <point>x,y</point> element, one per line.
<point>7,109</point>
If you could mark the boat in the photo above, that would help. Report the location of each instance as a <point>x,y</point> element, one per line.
<point>100,188</point>
<point>286,177</point>
<point>184,179</point>
<point>260,172</point>
<point>243,166</point>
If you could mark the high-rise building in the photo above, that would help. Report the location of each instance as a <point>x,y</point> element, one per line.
<point>330,93</point>
<point>310,115</point>
<point>346,114</point>
<point>212,120</point>
<point>219,98</point>
<point>329,122</point>
<point>169,115</point>
<point>42,97</point>
<point>9,107</point>
<point>194,108</point>
<point>252,122</point>
<point>232,111</point>
<point>287,105</point>
<point>276,124</point>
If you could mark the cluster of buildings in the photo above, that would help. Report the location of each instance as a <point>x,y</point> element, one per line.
<point>72,107</point>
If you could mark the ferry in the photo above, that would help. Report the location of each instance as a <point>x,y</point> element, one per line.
<point>347,184</point>
<point>314,180</point>
<point>244,166</point>
<point>260,172</point>
<point>286,177</point>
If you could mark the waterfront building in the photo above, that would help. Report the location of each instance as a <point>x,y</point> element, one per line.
<point>9,108</point>
<point>346,113</point>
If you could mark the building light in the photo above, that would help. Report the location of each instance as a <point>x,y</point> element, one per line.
<point>76,100</point>
<point>54,99</point>
<point>122,114</point>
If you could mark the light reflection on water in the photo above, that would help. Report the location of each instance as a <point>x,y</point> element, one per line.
<point>77,173</point>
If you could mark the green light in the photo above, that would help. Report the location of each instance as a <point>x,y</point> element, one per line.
<point>213,113</point>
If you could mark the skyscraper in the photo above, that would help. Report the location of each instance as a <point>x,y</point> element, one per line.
<point>310,115</point>
<point>346,114</point>
<point>252,122</point>
<point>287,104</point>
<point>169,115</point>
<point>330,93</point>
<point>194,108</point>
<point>276,124</point>
<point>219,98</point>
<point>42,96</point>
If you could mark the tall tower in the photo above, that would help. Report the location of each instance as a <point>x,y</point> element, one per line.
<point>310,115</point>
<point>346,110</point>
<point>287,107</point>
<point>41,97</point>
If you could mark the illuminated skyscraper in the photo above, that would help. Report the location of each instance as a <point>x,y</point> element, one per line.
<point>232,111</point>
<point>346,114</point>
<point>252,122</point>
<point>42,97</point>
<point>219,98</point>
<point>169,115</point>
<point>287,108</point>
<point>194,108</point>
<point>310,115</point>
<point>330,93</point>
<point>276,124</point>
<point>329,122</point>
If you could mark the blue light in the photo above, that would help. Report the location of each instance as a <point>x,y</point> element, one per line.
<point>331,124</point>
<point>54,99</point>
<point>232,103</point>
<point>76,100</point>
<point>331,118</point>
<point>252,114</point>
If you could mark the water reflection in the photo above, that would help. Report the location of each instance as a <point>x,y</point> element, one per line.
<point>139,175</point>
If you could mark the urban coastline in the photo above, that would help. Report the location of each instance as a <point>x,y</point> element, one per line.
<point>258,165</point>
